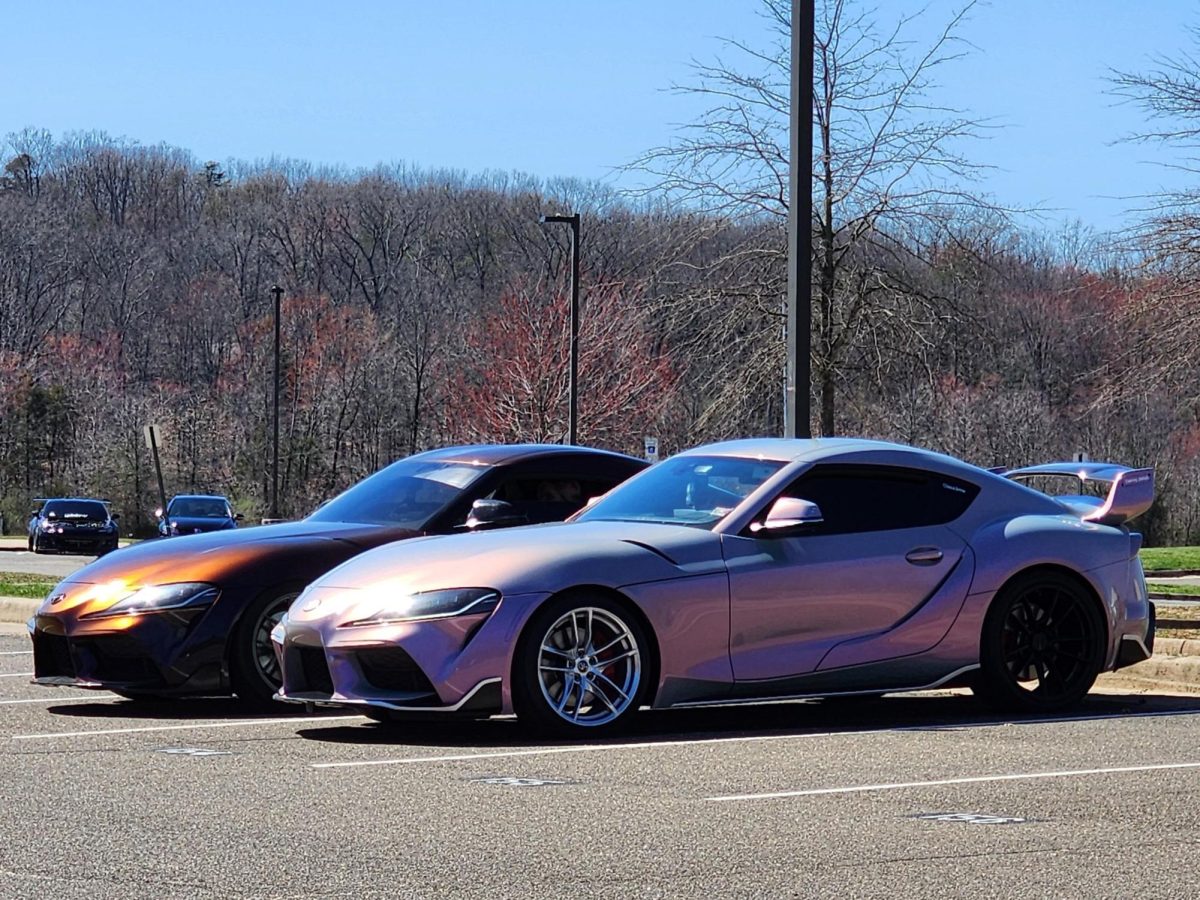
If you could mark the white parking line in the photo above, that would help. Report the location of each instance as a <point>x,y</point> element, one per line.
<point>18,675</point>
<point>16,652</point>
<point>585,748</point>
<point>104,696</point>
<point>743,739</point>
<point>194,725</point>
<point>979,779</point>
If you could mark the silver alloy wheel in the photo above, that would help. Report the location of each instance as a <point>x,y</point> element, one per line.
<point>264,651</point>
<point>589,666</point>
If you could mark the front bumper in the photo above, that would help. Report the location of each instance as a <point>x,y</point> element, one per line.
<point>446,665</point>
<point>83,543</point>
<point>155,653</point>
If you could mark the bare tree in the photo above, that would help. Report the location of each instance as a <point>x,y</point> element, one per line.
<point>887,170</point>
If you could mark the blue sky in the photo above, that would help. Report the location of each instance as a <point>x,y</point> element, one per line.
<point>552,88</point>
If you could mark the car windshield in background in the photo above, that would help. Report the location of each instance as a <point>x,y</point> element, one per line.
<point>407,494</point>
<point>75,511</point>
<point>687,490</point>
<point>199,508</point>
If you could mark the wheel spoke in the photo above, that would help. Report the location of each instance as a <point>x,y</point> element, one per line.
<point>548,649</point>
<point>618,639</point>
<point>624,697</point>
<point>568,683</point>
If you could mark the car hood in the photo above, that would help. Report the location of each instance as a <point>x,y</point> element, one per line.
<point>265,553</point>
<point>534,559</point>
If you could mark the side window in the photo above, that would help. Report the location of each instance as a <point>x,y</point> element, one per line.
<point>855,499</point>
<point>544,497</point>
<point>548,498</point>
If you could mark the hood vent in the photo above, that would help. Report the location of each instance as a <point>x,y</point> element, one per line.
<point>655,550</point>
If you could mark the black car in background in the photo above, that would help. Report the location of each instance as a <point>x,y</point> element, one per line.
<point>73,525</point>
<point>196,514</point>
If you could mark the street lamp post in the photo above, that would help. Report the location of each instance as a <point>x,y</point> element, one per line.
<point>799,306</point>
<point>573,380</point>
<point>278,292</point>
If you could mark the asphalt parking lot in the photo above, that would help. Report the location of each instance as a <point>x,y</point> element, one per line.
<point>102,797</point>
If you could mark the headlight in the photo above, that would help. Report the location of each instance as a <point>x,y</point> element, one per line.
<point>431,605</point>
<point>158,597</point>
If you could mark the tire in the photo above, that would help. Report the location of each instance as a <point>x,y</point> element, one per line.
<point>558,689</point>
<point>31,550</point>
<point>253,668</point>
<point>1042,646</point>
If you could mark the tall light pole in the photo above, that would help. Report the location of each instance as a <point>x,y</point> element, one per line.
<point>573,382</point>
<point>799,304</point>
<point>278,292</point>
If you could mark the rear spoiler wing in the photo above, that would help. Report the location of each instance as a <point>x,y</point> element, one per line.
<point>1130,491</point>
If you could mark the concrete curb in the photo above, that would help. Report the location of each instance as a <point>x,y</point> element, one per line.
<point>17,609</point>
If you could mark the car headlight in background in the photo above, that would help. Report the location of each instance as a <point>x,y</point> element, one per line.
<point>430,605</point>
<point>159,597</point>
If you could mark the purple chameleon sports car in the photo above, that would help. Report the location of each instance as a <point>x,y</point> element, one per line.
<point>743,571</point>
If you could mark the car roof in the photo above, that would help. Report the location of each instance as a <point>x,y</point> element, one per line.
<point>797,449</point>
<point>73,499</point>
<point>199,497</point>
<point>858,450</point>
<point>496,454</point>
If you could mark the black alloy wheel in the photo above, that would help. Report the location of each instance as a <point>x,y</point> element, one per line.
<point>253,668</point>
<point>1043,644</point>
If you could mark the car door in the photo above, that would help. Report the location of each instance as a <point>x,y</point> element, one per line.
<point>880,552</point>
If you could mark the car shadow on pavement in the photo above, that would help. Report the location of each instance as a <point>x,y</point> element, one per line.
<point>916,712</point>
<point>174,708</point>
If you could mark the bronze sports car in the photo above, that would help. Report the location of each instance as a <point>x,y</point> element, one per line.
<point>193,615</point>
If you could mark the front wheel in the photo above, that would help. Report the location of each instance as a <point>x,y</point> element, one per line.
<point>253,667</point>
<point>1042,645</point>
<point>582,666</point>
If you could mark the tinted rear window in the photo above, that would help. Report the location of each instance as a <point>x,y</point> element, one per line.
<point>75,510</point>
<point>881,498</point>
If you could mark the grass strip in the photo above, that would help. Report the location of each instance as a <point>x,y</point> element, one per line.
<point>1169,558</point>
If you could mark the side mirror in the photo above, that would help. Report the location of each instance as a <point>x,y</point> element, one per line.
<point>158,513</point>
<point>494,514</point>
<point>114,516</point>
<point>238,516</point>
<point>787,516</point>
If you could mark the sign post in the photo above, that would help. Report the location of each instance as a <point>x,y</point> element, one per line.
<point>153,436</point>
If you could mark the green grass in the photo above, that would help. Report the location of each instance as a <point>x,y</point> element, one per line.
<point>1184,590</point>
<point>1160,558</point>
<point>22,584</point>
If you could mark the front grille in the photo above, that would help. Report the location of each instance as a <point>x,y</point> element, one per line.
<point>52,656</point>
<point>391,669</point>
<point>316,670</point>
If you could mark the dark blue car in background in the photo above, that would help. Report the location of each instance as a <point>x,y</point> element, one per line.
<point>196,514</point>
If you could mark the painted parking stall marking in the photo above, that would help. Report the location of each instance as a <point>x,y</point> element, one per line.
<point>736,739</point>
<point>237,723</point>
<point>941,782</point>
<point>970,818</point>
<point>193,751</point>
<point>512,781</point>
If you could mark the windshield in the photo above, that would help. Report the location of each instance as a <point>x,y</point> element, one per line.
<point>199,508</point>
<point>76,511</point>
<point>408,494</point>
<point>687,490</point>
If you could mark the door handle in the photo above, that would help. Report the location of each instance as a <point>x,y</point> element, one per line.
<point>924,556</point>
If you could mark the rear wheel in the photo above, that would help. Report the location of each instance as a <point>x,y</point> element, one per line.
<point>253,667</point>
<point>1042,645</point>
<point>581,667</point>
